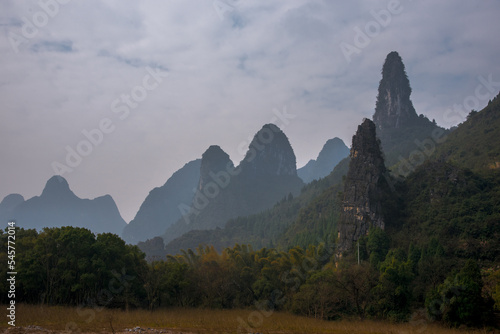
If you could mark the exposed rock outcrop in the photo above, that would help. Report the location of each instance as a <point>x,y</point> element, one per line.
<point>399,128</point>
<point>361,206</point>
<point>394,108</point>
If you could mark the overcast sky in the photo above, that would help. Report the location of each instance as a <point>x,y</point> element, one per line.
<point>164,80</point>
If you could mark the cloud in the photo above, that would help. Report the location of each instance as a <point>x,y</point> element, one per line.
<point>52,46</point>
<point>226,76</point>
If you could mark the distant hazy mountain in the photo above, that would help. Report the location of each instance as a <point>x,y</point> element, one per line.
<point>7,206</point>
<point>162,207</point>
<point>59,206</point>
<point>266,174</point>
<point>332,153</point>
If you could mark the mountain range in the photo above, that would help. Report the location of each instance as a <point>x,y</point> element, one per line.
<point>58,206</point>
<point>267,173</point>
<point>400,167</point>
<point>316,214</point>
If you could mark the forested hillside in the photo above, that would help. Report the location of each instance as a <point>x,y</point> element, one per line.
<point>265,229</point>
<point>474,144</point>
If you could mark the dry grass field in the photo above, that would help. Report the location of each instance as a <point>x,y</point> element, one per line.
<point>54,319</point>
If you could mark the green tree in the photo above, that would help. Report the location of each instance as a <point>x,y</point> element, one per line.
<point>432,269</point>
<point>377,245</point>
<point>355,286</point>
<point>459,300</point>
<point>176,288</point>
<point>492,286</point>
<point>71,266</point>
<point>30,272</point>
<point>241,262</point>
<point>393,291</point>
<point>166,283</point>
<point>317,297</point>
<point>118,267</point>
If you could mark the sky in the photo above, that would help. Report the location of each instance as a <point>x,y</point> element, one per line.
<point>116,95</point>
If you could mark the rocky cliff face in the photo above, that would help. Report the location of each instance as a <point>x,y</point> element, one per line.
<point>394,108</point>
<point>331,154</point>
<point>361,206</point>
<point>58,206</point>
<point>164,205</point>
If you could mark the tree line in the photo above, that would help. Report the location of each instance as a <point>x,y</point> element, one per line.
<point>72,266</point>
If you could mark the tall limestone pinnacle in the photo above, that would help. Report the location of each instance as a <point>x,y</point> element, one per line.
<point>361,206</point>
<point>394,108</point>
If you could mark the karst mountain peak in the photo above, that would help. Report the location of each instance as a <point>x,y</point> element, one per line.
<point>394,109</point>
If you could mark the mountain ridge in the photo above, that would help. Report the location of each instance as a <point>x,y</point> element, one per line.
<point>472,143</point>
<point>58,206</point>
<point>333,151</point>
<point>267,173</point>
<point>164,205</point>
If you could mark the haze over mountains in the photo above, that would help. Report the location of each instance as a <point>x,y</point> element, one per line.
<point>406,139</point>
<point>331,154</point>
<point>58,206</point>
<point>265,201</point>
<point>266,174</point>
<point>161,209</point>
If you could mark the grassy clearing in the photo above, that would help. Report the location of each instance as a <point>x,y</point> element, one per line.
<point>208,321</point>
